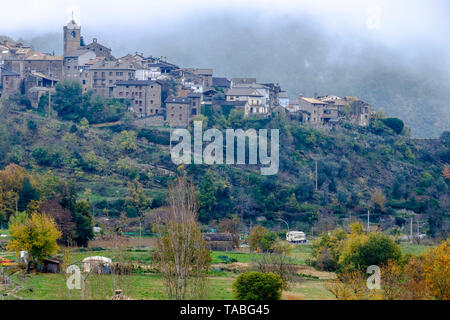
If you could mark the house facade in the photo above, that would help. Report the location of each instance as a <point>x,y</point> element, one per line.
<point>144,96</point>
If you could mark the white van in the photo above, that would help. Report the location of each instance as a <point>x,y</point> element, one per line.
<point>296,237</point>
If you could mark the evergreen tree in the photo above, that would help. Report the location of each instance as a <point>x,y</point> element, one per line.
<point>26,195</point>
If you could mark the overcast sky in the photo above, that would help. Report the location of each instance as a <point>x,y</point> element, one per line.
<point>392,21</point>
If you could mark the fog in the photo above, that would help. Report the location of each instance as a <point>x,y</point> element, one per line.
<point>395,54</point>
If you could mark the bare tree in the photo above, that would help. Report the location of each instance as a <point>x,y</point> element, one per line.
<point>182,255</point>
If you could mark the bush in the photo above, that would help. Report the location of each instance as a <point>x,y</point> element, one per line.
<point>261,239</point>
<point>258,286</point>
<point>360,252</point>
<point>395,124</point>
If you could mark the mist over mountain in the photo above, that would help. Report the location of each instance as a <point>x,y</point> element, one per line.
<point>407,78</point>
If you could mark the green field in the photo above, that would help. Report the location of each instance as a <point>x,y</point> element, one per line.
<point>149,287</point>
<point>414,249</point>
<point>42,286</point>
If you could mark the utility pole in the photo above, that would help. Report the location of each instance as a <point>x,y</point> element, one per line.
<point>170,138</point>
<point>317,185</point>
<point>418,229</point>
<point>411,230</point>
<point>49,102</point>
<point>368,221</point>
<point>140,233</point>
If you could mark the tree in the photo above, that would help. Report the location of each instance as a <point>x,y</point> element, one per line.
<point>436,267</point>
<point>137,198</point>
<point>256,236</point>
<point>415,287</point>
<point>182,254</point>
<point>68,100</point>
<point>362,251</point>
<point>11,184</point>
<point>231,226</point>
<point>27,194</point>
<point>379,200</point>
<point>258,286</point>
<point>62,217</point>
<point>37,236</point>
<point>391,280</point>
<point>278,262</point>
<point>395,124</point>
<point>84,223</point>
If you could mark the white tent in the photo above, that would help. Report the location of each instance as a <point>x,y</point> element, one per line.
<point>96,262</point>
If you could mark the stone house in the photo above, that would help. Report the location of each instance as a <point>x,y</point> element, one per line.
<point>221,83</point>
<point>238,81</point>
<point>178,111</point>
<point>315,107</point>
<point>283,99</point>
<point>144,96</point>
<point>75,62</point>
<point>10,82</point>
<point>196,99</point>
<point>37,62</point>
<point>102,76</point>
<point>100,50</point>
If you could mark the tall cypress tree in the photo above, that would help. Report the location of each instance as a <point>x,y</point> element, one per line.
<point>26,195</point>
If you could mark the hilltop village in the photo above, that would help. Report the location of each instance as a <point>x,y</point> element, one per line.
<point>139,81</point>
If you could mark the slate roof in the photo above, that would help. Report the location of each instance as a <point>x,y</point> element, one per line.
<point>243,92</point>
<point>220,82</point>
<point>179,100</point>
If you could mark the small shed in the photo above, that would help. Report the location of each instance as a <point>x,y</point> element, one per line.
<point>219,241</point>
<point>49,266</point>
<point>97,264</point>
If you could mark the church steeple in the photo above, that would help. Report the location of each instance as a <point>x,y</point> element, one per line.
<point>72,35</point>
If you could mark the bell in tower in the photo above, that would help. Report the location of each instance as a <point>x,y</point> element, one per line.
<point>72,35</point>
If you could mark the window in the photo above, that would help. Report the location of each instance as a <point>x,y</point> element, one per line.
<point>151,101</point>
<point>84,81</point>
<point>181,116</point>
<point>171,115</point>
<point>110,73</point>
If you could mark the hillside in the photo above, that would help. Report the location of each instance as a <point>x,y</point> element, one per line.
<point>359,169</point>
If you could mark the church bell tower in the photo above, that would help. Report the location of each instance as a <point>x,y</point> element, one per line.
<point>72,35</point>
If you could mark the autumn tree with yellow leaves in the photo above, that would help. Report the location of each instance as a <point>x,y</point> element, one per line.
<point>37,235</point>
<point>436,267</point>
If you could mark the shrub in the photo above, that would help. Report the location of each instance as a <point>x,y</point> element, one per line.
<point>395,124</point>
<point>261,239</point>
<point>361,251</point>
<point>258,286</point>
